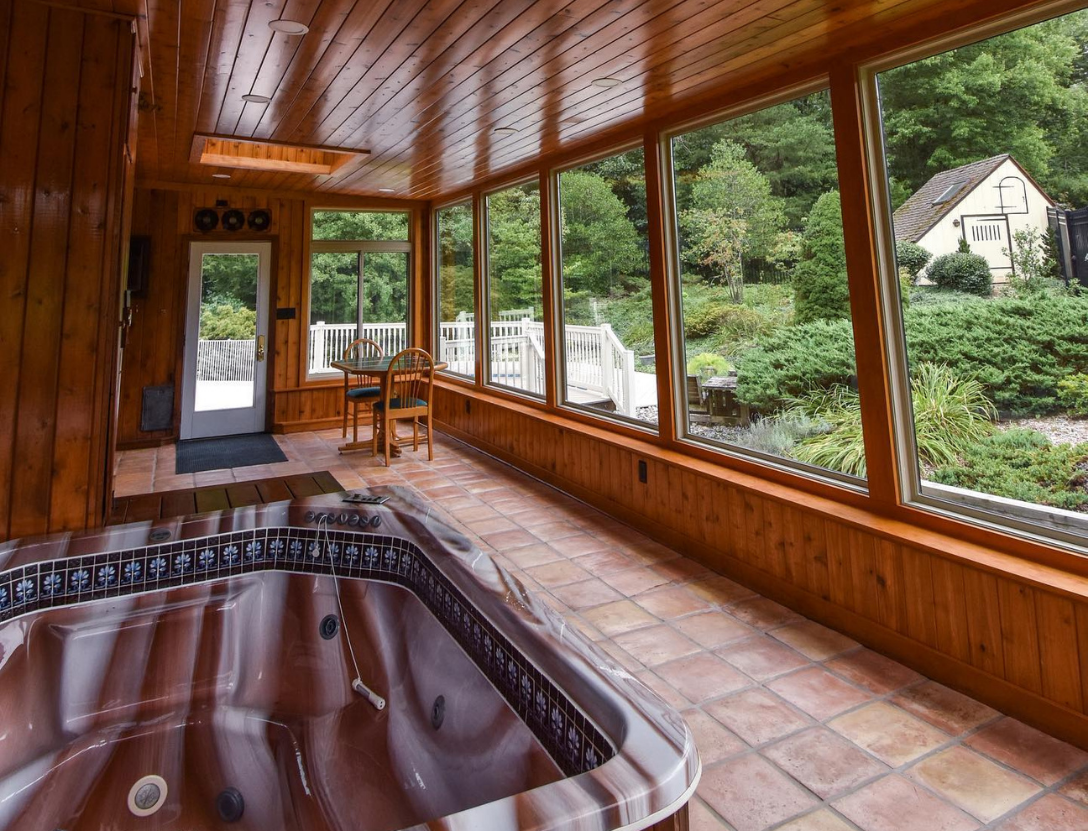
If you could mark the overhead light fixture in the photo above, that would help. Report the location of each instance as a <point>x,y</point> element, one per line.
<point>386,190</point>
<point>252,98</point>
<point>607,83</point>
<point>506,131</point>
<point>288,27</point>
<point>220,175</point>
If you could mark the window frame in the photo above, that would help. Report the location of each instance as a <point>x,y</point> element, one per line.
<point>674,272</point>
<point>484,298</point>
<point>561,402</point>
<point>986,513</point>
<point>360,247</point>
<point>470,203</point>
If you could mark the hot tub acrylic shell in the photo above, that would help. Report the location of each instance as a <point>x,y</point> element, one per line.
<point>199,658</point>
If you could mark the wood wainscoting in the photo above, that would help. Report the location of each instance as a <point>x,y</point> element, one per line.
<point>1011,633</point>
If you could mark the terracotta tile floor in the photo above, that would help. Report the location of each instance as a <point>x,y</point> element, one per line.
<point>799,727</point>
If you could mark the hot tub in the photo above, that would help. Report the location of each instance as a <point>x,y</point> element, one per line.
<point>198,673</point>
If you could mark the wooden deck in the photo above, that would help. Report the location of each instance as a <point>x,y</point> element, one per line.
<point>167,504</point>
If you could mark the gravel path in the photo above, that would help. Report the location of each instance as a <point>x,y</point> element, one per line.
<point>1059,429</point>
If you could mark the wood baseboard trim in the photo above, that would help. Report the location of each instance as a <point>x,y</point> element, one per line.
<point>1018,702</point>
<point>144,444</point>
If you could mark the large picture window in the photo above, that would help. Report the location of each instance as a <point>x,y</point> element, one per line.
<point>359,278</point>
<point>607,315</point>
<point>456,289</point>
<point>767,347</point>
<point>516,356</point>
<point>987,181</point>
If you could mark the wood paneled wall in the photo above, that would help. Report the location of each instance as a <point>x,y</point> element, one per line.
<point>1011,633</point>
<point>153,355</point>
<point>67,92</point>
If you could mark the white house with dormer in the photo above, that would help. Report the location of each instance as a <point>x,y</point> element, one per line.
<point>984,202</point>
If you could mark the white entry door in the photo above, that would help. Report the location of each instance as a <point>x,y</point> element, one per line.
<point>226,339</point>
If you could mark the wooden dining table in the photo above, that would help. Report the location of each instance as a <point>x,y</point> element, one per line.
<point>378,369</point>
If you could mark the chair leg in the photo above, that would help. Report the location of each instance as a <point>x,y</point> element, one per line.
<point>344,432</point>
<point>374,434</point>
<point>388,433</point>
<point>354,422</point>
<point>415,434</point>
<point>430,440</point>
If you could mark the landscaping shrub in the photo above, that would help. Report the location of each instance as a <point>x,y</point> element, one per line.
<point>912,257</point>
<point>819,279</point>
<point>1017,349</point>
<point>1023,464</point>
<point>962,272</point>
<point>779,435</point>
<point>950,414</point>
<point>707,364</point>
<point>793,360</point>
<point>930,296</point>
<point>1073,393</point>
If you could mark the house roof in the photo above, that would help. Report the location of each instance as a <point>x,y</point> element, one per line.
<point>937,197</point>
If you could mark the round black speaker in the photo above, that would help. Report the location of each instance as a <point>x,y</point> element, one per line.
<point>260,220</point>
<point>233,220</point>
<point>205,220</point>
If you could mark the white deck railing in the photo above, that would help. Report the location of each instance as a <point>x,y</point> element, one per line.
<point>597,360</point>
<point>225,360</point>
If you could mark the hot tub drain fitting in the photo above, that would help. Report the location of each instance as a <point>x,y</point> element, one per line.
<point>438,712</point>
<point>329,627</point>
<point>230,805</point>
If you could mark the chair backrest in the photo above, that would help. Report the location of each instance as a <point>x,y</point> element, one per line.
<point>410,374</point>
<point>363,347</point>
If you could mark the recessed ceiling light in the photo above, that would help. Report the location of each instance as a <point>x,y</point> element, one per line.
<point>220,175</point>
<point>606,82</point>
<point>386,190</point>
<point>506,131</point>
<point>256,99</point>
<point>288,27</point>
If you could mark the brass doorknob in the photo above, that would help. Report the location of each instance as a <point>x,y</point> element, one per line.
<point>260,347</point>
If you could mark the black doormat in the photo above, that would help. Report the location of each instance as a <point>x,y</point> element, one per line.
<point>195,455</point>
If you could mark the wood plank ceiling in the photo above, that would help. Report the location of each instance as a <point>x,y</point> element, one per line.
<point>423,84</point>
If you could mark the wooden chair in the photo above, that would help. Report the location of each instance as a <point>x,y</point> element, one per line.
<point>366,391</point>
<point>407,397</point>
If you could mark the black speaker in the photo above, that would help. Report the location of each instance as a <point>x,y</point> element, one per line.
<point>233,220</point>
<point>205,219</point>
<point>260,220</point>
<point>139,265</point>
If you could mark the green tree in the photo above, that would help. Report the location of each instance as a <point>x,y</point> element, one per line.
<point>733,215</point>
<point>819,280</point>
<point>226,319</point>
<point>513,221</point>
<point>792,144</point>
<point>1019,93</point>
<point>601,252</point>
<point>361,225</point>
<point>455,258</point>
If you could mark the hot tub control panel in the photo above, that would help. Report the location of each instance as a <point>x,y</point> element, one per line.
<point>350,519</point>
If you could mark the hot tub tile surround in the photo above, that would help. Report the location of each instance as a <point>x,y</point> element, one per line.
<point>58,571</point>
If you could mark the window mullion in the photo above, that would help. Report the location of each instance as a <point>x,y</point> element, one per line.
<point>863,276</point>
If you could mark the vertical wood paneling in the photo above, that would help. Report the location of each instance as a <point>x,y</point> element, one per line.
<point>1019,635</point>
<point>1057,627</point>
<point>24,76</point>
<point>63,130</point>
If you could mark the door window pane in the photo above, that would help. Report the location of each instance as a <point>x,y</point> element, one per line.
<point>516,289</point>
<point>768,345</point>
<point>227,346</point>
<point>456,290</point>
<point>988,182</point>
<point>608,320</point>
